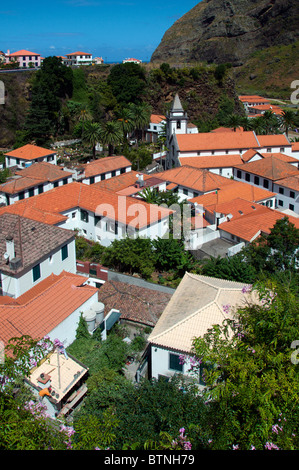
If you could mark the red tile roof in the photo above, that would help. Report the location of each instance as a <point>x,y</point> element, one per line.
<point>291,182</point>
<point>278,140</point>
<point>120,182</point>
<point>229,192</point>
<point>78,53</point>
<point>44,307</point>
<point>91,198</point>
<point>213,161</point>
<point>22,52</point>
<point>30,152</point>
<point>194,178</point>
<point>157,118</point>
<point>272,168</point>
<point>217,141</point>
<point>34,175</point>
<point>252,99</point>
<point>252,225</point>
<point>106,164</point>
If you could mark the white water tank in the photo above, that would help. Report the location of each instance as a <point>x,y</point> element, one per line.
<point>90,318</point>
<point>99,309</point>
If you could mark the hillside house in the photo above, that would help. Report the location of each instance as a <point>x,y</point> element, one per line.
<point>29,154</point>
<point>249,226</point>
<point>97,214</point>
<point>30,251</point>
<point>35,179</point>
<point>198,303</point>
<point>155,128</point>
<point>25,58</point>
<point>265,173</point>
<point>102,169</point>
<point>78,58</point>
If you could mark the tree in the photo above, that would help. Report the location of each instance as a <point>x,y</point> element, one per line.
<point>92,134</point>
<point>277,252</point>
<point>288,120</point>
<point>234,268</point>
<point>141,115</point>
<point>252,383</point>
<point>39,124</point>
<point>111,135</point>
<point>130,255</point>
<point>127,82</point>
<point>171,255</point>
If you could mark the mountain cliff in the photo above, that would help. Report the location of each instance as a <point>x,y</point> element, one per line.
<point>220,31</point>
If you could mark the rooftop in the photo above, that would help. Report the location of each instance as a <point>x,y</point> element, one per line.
<point>229,192</point>
<point>194,178</point>
<point>250,226</point>
<point>41,309</point>
<point>35,174</point>
<point>217,141</point>
<point>91,198</point>
<point>22,52</point>
<point>103,165</point>
<point>32,240</point>
<point>30,152</point>
<point>272,168</point>
<point>196,306</point>
<point>137,304</point>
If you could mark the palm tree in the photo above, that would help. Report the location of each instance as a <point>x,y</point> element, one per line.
<point>234,121</point>
<point>288,120</point>
<point>92,134</point>
<point>271,122</point>
<point>111,134</point>
<point>141,115</point>
<point>125,117</point>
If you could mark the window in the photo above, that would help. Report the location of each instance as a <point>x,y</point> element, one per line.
<point>97,219</point>
<point>266,184</point>
<point>64,252</point>
<point>292,194</point>
<point>239,174</point>
<point>31,192</point>
<point>178,124</point>
<point>56,184</point>
<point>40,189</point>
<point>185,191</point>
<point>103,177</point>
<point>291,207</point>
<point>269,150</point>
<point>84,216</point>
<point>282,149</point>
<point>113,173</point>
<point>36,273</point>
<point>91,180</point>
<point>256,180</point>
<point>21,195</point>
<point>281,190</point>
<point>174,362</point>
<point>64,181</point>
<point>280,202</point>
<point>247,176</point>
<point>122,171</point>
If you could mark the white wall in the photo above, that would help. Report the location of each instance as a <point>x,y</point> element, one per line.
<point>53,263</point>
<point>20,163</point>
<point>284,201</point>
<point>160,363</point>
<point>66,330</point>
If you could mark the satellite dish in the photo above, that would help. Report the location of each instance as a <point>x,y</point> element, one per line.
<point>6,256</point>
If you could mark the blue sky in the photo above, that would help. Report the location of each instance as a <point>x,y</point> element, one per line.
<point>114,29</point>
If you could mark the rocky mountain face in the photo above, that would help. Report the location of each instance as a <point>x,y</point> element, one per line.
<point>220,31</point>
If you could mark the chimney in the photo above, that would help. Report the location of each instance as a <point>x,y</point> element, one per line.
<point>10,247</point>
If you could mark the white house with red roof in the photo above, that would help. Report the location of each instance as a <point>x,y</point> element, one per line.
<point>28,154</point>
<point>79,58</point>
<point>25,58</point>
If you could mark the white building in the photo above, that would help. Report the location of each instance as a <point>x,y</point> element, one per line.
<point>198,303</point>
<point>29,154</point>
<point>31,251</point>
<point>78,58</point>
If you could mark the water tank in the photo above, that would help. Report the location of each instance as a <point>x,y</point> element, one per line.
<point>99,309</point>
<point>90,318</point>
